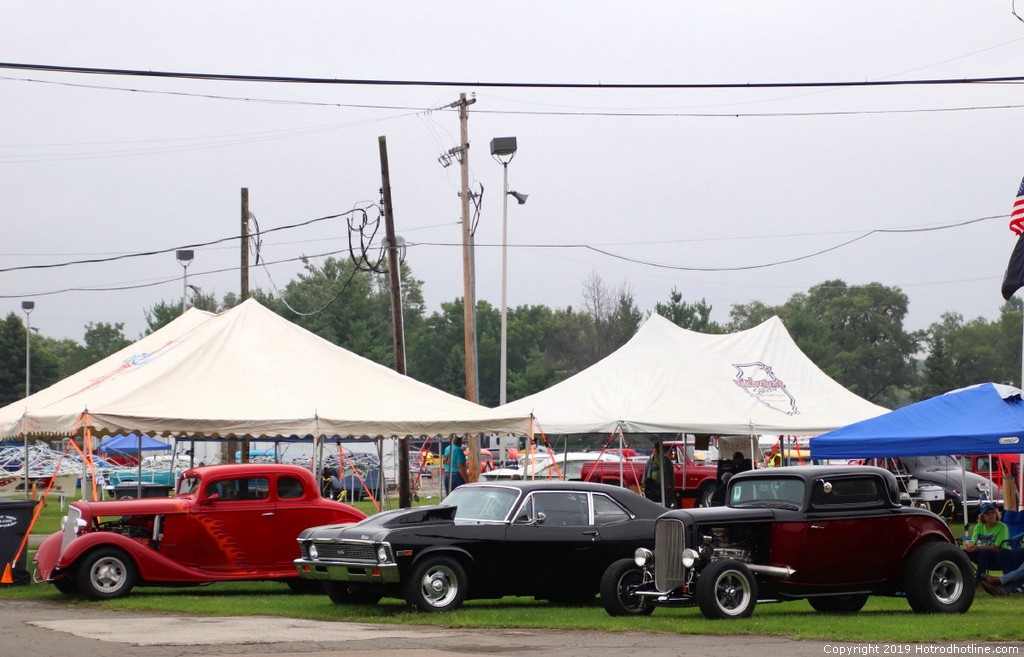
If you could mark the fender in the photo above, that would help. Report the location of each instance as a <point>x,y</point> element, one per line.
<point>152,566</point>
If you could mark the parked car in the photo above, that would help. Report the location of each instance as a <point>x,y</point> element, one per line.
<point>225,523</point>
<point>831,534</point>
<point>959,486</point>
<point>469,546</point>
<point>991,466</point>
<point>544,465</point>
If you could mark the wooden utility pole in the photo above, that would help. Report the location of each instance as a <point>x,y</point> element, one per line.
<point>244,267</point>
<point>395,277</point>
<point>469,285</point>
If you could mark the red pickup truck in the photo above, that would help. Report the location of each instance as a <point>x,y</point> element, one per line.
<point>695,481</point>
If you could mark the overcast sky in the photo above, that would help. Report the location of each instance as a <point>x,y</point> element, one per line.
<point>666,182</point>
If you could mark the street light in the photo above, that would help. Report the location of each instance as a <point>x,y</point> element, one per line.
<point>503,149</point>
<point>184,257</point>
<point>28,307</point>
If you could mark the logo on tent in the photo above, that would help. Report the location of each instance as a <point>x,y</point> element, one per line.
<point>759,381</point>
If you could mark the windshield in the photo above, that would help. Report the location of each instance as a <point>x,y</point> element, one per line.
<point>784,492</point>
<point>944,462</point>
<point>482,502</point>
<point>188,485</point>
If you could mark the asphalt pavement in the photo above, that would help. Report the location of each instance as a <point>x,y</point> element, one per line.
<point>45,629</point>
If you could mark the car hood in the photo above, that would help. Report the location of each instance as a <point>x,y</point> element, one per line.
<point>141,506</point>
<point>380,524</point>
<point>721,514</point>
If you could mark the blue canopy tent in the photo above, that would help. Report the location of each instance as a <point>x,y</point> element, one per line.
<point>987,418</point>
<point>984,419</point>
<point>132,443</point>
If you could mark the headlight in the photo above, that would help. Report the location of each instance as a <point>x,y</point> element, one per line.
<point>643,557</point>
<point>313,552</point>
<point>689,557</point>
<point>382,554</point>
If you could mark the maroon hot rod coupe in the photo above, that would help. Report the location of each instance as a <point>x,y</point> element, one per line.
<point>832,535</point>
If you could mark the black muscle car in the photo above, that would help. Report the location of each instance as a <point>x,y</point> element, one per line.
<point>547,539</point>
<point>833,535</point>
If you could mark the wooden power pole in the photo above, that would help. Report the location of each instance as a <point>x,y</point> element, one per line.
<point>469,285</point>
<point>232,445</point>
<point>395,277</point>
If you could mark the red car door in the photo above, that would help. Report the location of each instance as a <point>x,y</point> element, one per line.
<point>235,526</point>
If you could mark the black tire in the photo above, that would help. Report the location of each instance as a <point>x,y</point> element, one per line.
<point>105,574</point>
<point>437,584</point>
<point>839,604</point>
<point>304,586</point>
<point>726,589</point>
<point>618,584</point>
<point>343,593</point>
<point>66,585</point>
<point>705,494</point>
<point>939,579</point>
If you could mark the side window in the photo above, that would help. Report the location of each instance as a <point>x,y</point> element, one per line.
<point>563,509</point>
<point>607,511</point>
<point>289,488</point>
<point>860,492</point>
<point>254,488</point>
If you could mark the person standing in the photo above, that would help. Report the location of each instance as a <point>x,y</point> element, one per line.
<point>454,465</point>
<point>659,477</point>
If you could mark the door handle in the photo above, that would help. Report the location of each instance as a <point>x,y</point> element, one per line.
<point>592,533</point>
<point>817,526</point>
<point>268,513</point>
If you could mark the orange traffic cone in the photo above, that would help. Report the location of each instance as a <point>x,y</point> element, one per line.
<point>7,576</point>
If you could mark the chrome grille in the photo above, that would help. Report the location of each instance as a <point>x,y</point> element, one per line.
<point>334,551</point>
<point>669,543</point>
<point>70,529</point>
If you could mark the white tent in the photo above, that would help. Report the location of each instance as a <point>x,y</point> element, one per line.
<point>667,379</point>
<point>247,373</point>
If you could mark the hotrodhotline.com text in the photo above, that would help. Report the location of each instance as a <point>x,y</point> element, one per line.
<point>918,649</point>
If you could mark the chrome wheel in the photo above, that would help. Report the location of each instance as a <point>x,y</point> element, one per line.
<point>439,586</point>
<point>106,573</point>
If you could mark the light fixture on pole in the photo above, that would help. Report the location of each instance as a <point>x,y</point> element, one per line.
<point>503,149</point>
<point>184,257</point>
<point>28,307</point>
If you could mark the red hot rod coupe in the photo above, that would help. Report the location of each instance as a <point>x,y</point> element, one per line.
<point>225,523</point>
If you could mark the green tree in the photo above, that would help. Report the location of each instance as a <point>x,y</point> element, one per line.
<point>351,308</point>
<point>963,353</point>
<point>694,317</point>
<point>165,312</point>
<point>43,369</point>
<point>614,317</point>
<point>744,316</point>
<point>856,335</point>
<point>437,350</point>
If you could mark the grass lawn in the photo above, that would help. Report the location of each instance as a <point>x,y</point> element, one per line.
<point>883,619</point>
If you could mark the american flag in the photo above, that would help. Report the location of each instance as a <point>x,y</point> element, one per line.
<point>1017,214</point>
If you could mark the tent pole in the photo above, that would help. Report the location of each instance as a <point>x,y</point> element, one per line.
<point>138,484</point>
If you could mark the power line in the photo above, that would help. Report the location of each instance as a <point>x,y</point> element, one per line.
<point>420,111</point>
<point>141,254</point>
<point>587,247</point>
<point>227,77</point>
